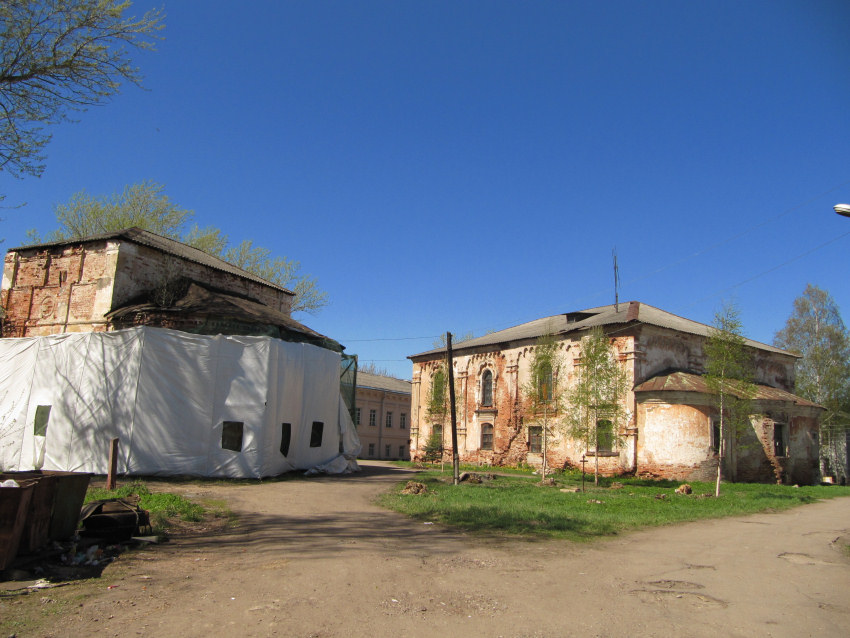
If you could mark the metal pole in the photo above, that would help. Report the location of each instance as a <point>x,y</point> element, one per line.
<point>455,455</point>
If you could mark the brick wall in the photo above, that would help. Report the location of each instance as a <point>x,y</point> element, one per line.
<point>71,288</point>
<point>60,289</point>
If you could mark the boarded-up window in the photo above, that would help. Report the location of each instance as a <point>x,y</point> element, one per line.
<point>285,437</point>
<point>42,416</point>
<point>487,436</point>
<point>535,439</point>
<point>316,434</point>
<point>231,435</point>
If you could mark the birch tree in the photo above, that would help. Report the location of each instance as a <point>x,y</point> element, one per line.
<point>728,375</point>
<point>542,393</point>
<point>816,331</point>
<point>597,396</point>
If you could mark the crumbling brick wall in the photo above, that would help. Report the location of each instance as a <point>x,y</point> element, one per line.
<point>60,289</point>
<point>71,287</point>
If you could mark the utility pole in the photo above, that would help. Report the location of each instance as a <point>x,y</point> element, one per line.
<point>455,455</point>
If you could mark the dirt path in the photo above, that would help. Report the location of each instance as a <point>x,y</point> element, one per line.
<point>317,558</point>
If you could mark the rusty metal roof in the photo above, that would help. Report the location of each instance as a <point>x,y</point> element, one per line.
<point>165,245</point>
<point>381,382</point>
<point>689,382</point>
<point>631,312</point>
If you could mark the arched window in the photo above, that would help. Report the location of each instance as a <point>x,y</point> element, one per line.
<point>487,389</point>
<point>544,381</point>
<point>487,436</point>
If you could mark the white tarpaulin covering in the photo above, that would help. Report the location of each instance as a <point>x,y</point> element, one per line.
<point>179,403</point>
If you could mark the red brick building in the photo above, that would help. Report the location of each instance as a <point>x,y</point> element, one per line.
<point>136,277</point>
<point>671,426</point>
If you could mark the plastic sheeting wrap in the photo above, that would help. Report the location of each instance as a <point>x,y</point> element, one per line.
<point>179,403</point>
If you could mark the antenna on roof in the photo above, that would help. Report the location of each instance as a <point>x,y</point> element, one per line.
<point>616,281</point>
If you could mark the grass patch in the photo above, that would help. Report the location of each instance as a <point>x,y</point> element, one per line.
<point>162,506</point>
<point>515,506</point>
<point>524,470</point>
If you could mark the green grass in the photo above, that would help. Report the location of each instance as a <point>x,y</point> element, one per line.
<point>480,469</point>
<point>517,506</point>
<point>161,505</point>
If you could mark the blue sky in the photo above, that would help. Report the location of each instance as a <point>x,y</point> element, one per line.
<point>468,166</point>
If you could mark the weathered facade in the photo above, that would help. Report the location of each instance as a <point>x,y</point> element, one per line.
<point>382,416</point>
<point>670,426</point>
<point>135,277</point>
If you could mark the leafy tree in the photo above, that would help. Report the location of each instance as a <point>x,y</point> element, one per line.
<point>541,392</point>
<point>60,56</point>
<point>816,331</point>
<point>146,206</point>
<point>597,397</point>
<point>434,446</point>
<point>728,375</point>
<point>279,270</point>
<point>438,395</point>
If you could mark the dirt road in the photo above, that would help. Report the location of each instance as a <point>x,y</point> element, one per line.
<point>317,558</point>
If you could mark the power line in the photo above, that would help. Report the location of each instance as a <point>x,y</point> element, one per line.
<point>770,270</point>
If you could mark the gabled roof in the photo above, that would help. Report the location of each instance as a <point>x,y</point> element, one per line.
<point>688,382</point>
<point>381,382</point>
<point>631,312</point>
<point>165,245</point>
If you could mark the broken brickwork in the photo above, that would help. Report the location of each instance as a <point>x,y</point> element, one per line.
<point>72,286</point>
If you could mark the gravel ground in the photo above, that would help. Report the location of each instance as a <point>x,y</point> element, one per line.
<point>317,558</point>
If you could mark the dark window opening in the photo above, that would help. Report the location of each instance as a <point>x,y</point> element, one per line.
<point>285,438</point>
<point>316,434</point>
<point>42,416</point>
<point>487,388</point>
<point>487,436</point>
<point>715,435</point>
<point>780,445</point>
<point>387,451</point>
<point>231,435</point>
<point>535,439</point>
